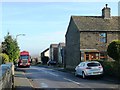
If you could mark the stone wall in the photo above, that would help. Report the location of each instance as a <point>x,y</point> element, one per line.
<point>76,40</point>
<point>72,57</point>
<point>91,40</point>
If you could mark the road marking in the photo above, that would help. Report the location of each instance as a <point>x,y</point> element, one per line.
<point>28,80</point>
<point>43,85</point>
<point>53,74</point>
<point>80,84</point>
<point>72,81</point>
<point>42,69</point>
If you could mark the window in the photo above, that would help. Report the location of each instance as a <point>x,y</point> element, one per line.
<point>93,64</point>
<point>24,57</point>
<point>103,37</point>
<point>81,64</point>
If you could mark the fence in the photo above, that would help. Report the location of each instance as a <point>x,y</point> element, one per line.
<point>6,76</point>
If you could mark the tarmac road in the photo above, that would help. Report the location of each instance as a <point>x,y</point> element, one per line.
<point>51,79</point>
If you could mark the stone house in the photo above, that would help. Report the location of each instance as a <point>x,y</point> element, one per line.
<point>45,56</point>
<point>53,52</point>
<point>61,49</point>
<point>90,33</point>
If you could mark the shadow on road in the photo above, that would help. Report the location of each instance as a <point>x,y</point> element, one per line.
<point>23,88</point>
<point>29,88</point>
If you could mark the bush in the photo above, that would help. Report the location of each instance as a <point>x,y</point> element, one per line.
<point>111,68</point>
<point>113,50</point>
<point>3,58</point>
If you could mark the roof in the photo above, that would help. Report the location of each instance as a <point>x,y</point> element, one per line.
<point>89,50</point>
<point>54,45</point>
<point>61,44</point>
<point>45,50</point>
<point>96,23</point>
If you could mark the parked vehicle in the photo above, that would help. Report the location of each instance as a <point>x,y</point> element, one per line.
<point>51,62</point>
<point>24,59</point>
<point>89,68</point>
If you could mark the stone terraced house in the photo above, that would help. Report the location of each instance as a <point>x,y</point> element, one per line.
<point>87,37</point>
<point>61,50</point>
<point>53,52</point>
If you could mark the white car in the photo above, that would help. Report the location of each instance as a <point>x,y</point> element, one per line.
<point>89,68</point>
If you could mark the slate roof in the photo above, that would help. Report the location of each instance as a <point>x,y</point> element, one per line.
<point>54,45</point>
<point>96,23</point>
<point>61,44</point>
<point>45,50</point>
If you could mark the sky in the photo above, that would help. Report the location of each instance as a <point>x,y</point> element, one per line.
<point>45,23</point>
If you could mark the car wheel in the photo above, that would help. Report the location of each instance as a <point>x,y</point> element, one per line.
<point>83,75</point>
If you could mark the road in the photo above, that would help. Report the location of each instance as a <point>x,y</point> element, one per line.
<point>51,79</point>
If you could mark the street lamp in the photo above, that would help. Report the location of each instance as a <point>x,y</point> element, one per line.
<point>19,35</point>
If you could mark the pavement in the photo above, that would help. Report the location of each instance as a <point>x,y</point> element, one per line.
<point>21,82</point>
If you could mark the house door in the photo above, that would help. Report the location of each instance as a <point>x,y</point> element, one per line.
<point>87,56</point>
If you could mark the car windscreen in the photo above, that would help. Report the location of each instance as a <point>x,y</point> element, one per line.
<point>93,64</point>
<point>24,57</point>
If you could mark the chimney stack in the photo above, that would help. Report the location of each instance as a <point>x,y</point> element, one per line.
<point>106,14</point>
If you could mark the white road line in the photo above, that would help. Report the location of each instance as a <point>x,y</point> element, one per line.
<point>28,80</point>
<point>80,84</point>
<point>53,74</point>
<point>46,71</point>
<point>43,85</point>
<point>72,81</point>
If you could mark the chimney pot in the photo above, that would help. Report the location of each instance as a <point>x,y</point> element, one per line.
<point>106,5</point>
<point>106,12</point>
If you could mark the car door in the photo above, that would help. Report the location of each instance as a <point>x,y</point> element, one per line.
<point>80,66</point>
<point>77,68</point>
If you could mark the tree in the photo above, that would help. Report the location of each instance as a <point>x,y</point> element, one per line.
<point>113,50</point>
<point>4,58</point>
<point>10,47</point>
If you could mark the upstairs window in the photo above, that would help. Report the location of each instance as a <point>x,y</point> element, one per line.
<point>103,37</point>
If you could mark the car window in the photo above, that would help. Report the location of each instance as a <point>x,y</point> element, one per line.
<point>93,64</point>
<point>80,65</point>
<point>83,65</point>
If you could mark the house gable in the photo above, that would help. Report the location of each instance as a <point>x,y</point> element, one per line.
<point>72,43</point>
<point>72,26</point>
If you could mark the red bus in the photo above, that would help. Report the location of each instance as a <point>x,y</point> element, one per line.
<point>24,59</point>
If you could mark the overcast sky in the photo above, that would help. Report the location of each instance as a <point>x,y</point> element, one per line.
<point>44,23</point>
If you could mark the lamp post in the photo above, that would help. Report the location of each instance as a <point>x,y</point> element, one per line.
<point>19,35</point>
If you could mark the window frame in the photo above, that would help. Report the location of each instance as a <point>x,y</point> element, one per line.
<point>103,37</point>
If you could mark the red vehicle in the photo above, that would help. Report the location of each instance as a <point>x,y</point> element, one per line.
<point>24,59</point>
